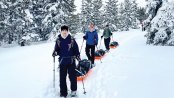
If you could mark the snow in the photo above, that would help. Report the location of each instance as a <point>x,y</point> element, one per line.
<point>2,5</point>
<point>53,7</point>
<point>29,15</point>
<point>133,70</point>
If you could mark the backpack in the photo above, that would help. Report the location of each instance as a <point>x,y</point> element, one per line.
<point>114,43</point>
<point>71,44</point>
<point>83,67</point>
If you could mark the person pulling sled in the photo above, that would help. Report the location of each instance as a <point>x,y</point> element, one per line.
<point>67,49</point>
<point>91,38</point>
<point>107,37</point>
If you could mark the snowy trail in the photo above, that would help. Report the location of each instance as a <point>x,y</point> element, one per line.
<point>133,70</point>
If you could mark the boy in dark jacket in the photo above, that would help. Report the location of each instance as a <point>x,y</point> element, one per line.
<point>91,38</point>
<point>107,37</point>
<point>67,49</point>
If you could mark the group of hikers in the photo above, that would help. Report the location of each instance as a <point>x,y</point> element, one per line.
<point>67,49</point>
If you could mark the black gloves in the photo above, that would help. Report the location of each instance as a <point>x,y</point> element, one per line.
<point>78,58</point>
<point>54,53</point>
<point>84,37</point>
<point>101,36</point>
<point>111,33</point>
<point>96,44</point>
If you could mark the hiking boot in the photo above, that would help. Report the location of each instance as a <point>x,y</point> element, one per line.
<point>93,65</point>
<point>73,94</point>
<point>63,96</point>
<point>107,50</point>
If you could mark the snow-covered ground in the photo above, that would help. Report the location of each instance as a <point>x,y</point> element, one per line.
<point>133,70</point>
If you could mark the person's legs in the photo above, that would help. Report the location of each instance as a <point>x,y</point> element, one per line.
<point>63,74</point>
<point>72,76</point>
<point>107,43</point>
<point>92,53</point>
<point>87,50</point>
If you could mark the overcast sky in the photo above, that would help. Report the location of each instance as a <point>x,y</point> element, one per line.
<point>78,3</point>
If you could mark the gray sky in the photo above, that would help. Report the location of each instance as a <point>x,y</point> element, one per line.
<point>78,3</point>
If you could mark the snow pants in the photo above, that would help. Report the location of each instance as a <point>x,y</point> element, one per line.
<point>70,69</point>
<point>107,42</point>
<point>90,52</point>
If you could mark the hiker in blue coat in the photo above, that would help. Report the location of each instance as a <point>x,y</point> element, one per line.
<point>67,49</point>
<point>91,38</point>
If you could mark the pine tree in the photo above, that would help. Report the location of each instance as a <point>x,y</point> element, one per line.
<point>71,19</point>
<point>86,14</point>
<point>34,20</point>
<point>111,14</point>
<point>134,15</point>
<point>160,22</point>
<point>96,13</point>
<point>127,14</point>
<point>141,14</point>
<point>122,18</point>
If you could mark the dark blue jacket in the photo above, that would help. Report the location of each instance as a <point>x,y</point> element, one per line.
<point>91,37</point>
<point>66,49</point>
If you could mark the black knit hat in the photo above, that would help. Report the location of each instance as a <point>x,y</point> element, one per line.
<point>64,27</point>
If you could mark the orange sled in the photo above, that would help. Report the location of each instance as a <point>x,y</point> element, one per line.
<point>113,47</point>
<point>79,78</point>
<point>98,57</point>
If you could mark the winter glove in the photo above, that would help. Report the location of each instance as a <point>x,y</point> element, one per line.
<point>96,44</point>
<point>84,37</point>
<point>101,37</point>
<point>54,53</point>
<point>78,58</point>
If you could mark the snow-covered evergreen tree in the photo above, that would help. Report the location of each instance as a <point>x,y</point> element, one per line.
<point>34,20</point>
<point>111,14</point>
<point>134,14</point>
<point>121,17</point>
<point>141,15</point>
<point>128,15</point>
<point>86,14</point>
<point>96,13</point>
<point>71,19</point>
<point>160,23</point>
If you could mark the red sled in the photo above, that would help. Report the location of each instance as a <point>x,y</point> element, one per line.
<point>113,47</point>
<point>80,78</point>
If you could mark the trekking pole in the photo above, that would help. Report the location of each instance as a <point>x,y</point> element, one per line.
<point>82,80</point>
<point>112,38</point>
<point>54,72</point>
<point>99,54</point>
<point>81,46</point>
<point>100,42</point>
<point>83,84</point>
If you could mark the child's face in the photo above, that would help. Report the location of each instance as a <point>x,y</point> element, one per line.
<point>64,33</point>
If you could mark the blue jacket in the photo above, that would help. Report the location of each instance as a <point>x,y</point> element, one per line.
<point>91,37</point>
<point>67,49</point>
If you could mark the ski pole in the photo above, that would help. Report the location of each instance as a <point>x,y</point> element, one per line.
<point>82,80</point>
<point>100,42</point>
<point>112,38</point>
<point>83,84</point>
<point>54,72</point>
<point>99,54</point>
<point>81,46</point>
